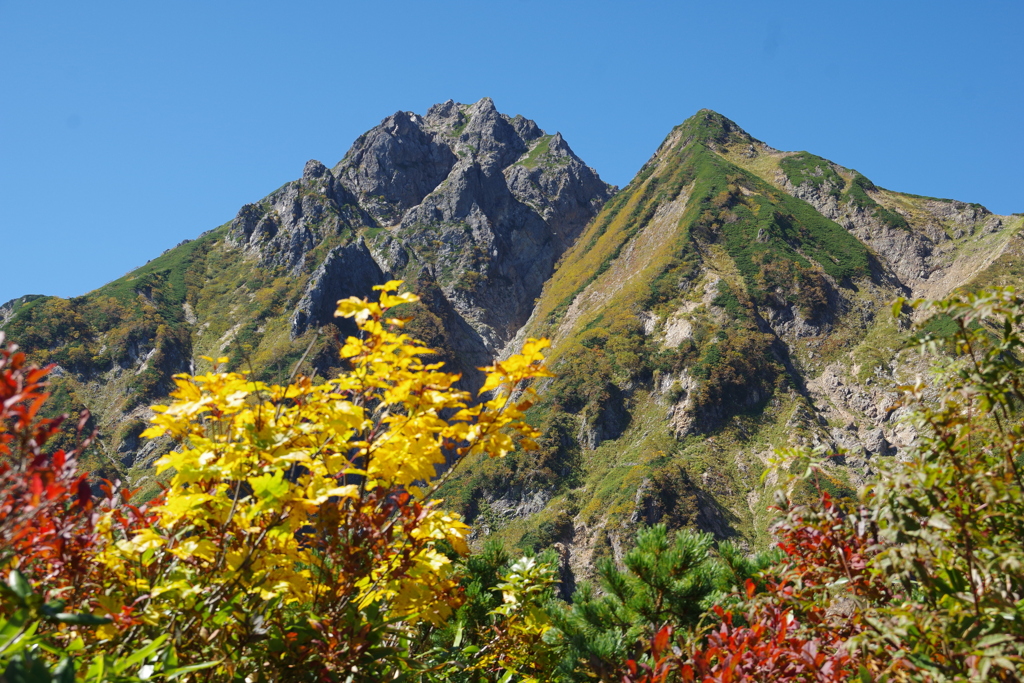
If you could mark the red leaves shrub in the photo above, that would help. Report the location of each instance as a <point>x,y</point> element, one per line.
<point>44,502</point>
<point>773,646</point>
<point>828,547</point>
<point>48,510</point>
<point>799,628</point>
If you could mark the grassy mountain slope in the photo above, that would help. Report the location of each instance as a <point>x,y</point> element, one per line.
<point>116,347</point>
<point>731,300</point>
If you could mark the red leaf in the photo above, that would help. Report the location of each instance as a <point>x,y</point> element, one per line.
<point>84,493</point>
<point>661,640</point>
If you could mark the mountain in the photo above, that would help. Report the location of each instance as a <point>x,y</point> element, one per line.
<point>733,299</point>
<point>471,206</point>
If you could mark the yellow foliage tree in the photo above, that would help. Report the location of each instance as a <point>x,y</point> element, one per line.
<point>298,539</point>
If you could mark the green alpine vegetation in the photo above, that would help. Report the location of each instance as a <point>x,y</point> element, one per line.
<point>730,301</point>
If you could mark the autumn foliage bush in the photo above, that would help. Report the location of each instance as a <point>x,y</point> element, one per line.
<point>53,599</point>
<point>296,539</point>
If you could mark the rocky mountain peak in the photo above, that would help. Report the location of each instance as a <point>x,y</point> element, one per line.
<point>313,169</point>
<point>709,129</point>
<point>713,130</point>
<point>443,110</point>
<point>491,137</point>
<point>394,166</point>
<point>482,201</point>
<point>527,129</point>
<point>472,204</point>
<point>401,123</point>
<point>559,147</point>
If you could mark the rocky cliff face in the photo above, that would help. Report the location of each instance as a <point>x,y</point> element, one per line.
<point>484,203</point>
<point>283,229</point>
<point>346,271</point>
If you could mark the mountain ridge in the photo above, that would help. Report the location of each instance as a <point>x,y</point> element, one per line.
<point>731,299</point>
<point>724,304</point>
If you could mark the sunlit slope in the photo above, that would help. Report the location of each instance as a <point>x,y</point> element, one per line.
<point>731,300</point>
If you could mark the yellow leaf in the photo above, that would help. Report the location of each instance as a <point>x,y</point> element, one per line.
<point>147,539</point>
<point>106,632</point>
<point>153,432</point>
<point>492,381</point>
<point>389,286</point>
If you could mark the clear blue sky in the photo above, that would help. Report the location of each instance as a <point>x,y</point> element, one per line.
<point>126,127</point>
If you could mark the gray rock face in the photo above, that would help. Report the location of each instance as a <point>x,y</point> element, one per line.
<point>286,225</point>
<point>904,254</point>
<point>394,166</point>
<point>347,271</point>
<point>909,257</point>
<point>484,202</point>
<point>958,212</point>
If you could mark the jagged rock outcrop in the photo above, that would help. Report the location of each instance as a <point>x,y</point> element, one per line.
<point>487,202</point>
<point>484,202</point>
<point>394,166</point>
<point>283,228</point>
<point>346,271</point>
